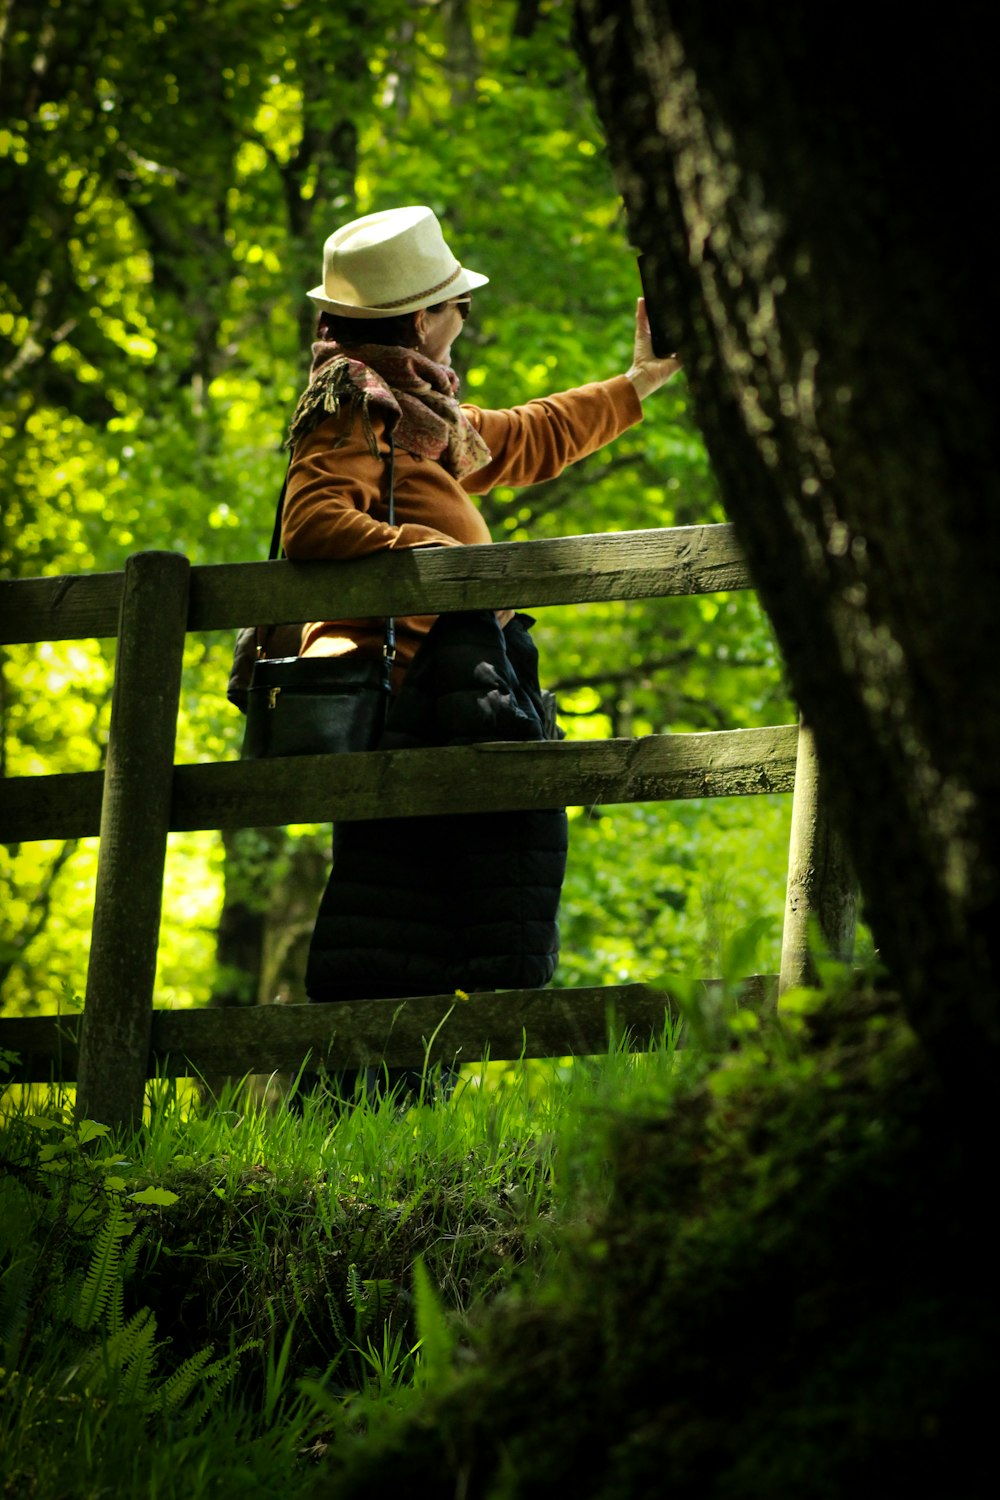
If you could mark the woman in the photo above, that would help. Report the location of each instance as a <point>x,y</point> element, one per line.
<point>428,905</point>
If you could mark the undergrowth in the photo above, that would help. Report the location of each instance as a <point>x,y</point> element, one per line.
<point>788,1291</point>
<point>750,1268</point>
<point>202,1305</point>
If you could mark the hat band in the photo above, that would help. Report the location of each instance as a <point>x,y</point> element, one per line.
<point>418,295</point>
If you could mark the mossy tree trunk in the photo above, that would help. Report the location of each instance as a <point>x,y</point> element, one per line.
<point>809,192</point>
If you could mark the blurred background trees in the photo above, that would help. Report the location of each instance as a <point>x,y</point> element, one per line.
<point>169,174</point>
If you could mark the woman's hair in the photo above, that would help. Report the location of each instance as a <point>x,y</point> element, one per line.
<point>347,331</point>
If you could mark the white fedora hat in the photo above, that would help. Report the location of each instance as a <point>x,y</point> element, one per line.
<point>389,263</point>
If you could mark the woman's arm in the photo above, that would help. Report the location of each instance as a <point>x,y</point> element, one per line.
<point>536,441</point>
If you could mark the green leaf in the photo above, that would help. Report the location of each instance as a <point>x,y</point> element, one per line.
<point>154,1197</point>
<point>58,1148</point>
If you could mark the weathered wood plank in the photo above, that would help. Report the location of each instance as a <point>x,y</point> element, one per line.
<point>50,807</point>
<point>498,777</point>
<point>505,1026</point>
<point>563,570</point>
<point>67,608</point>
<point>135,817</point>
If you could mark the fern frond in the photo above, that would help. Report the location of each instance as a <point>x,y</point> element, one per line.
<point>355,1288</point>
<point>175,1391</point>
<point>301,1297</point>
<point>116,1305</point>
<point>126,1269</point>
<point>104,1269</point>
<point>379,1291</point>
<point>102,1368</point>
<point>138,1366</point>
<point>214,1381</point>
<point>131,1255</point>
<point>365,1296</point>
<point>337,1318</point>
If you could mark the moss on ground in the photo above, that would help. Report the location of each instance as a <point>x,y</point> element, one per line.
<point>790,1293</point>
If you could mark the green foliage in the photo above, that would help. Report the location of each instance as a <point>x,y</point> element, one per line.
<point>773,1280</point>
<point>171,179</point>
<point>717,1311</point>
<point>340,1246</point>
<point>100,1296</point>
<point>71,1241</point>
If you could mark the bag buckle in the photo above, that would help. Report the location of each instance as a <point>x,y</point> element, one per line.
<point>272,696</point>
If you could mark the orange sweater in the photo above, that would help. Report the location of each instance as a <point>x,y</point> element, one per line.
<point>335,506</point>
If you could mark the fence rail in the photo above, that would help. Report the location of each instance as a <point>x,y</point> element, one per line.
<point>495,777</point>
<point>141,795</point>
<point>439,1028</point>
<point>434,580</point>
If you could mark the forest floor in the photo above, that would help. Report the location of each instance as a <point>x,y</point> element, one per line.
<point>750,1268</point>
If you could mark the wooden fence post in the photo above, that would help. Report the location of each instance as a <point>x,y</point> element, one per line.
<point>135,813</point>
<point>821,883</point>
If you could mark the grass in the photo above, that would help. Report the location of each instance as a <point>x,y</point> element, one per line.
<point>198,1309</point>
<point>756,1267</point>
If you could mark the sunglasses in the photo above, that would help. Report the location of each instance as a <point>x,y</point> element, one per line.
<point>462,303</point>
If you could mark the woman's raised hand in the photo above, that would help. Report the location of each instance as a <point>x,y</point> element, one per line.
<point>646,372</point>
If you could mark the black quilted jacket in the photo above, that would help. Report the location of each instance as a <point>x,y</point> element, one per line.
<point>424,906</point>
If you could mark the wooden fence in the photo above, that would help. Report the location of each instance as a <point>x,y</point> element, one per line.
<point>121,1040</point>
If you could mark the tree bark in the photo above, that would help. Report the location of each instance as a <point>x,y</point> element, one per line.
<point>807,195</point>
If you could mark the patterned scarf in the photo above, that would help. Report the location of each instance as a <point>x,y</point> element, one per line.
<point>417,397</point>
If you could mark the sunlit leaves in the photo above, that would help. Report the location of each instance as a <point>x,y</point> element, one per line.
<point>172,186</point>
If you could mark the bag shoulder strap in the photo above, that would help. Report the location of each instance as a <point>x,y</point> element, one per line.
<point>274,551</point>
<point>389,645</point>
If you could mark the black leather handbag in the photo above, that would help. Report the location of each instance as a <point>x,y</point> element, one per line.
<point>323,705</point>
